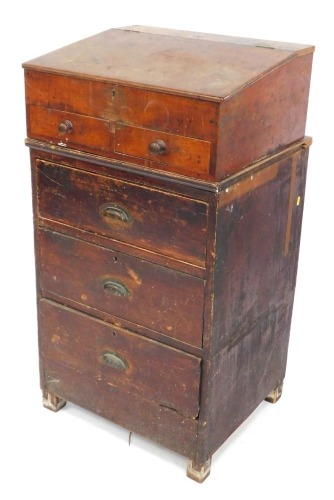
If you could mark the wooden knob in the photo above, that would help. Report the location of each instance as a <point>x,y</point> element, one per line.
<point>65,127</point>
<point>157,147</point>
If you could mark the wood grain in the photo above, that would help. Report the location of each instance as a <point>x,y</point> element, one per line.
<point>159,221</point>
<point>158,298</point>
<point>89,133</point>
<point>154,372</point>
<point>187,153</point>
<point>150,420</point>
<point>247,98</point>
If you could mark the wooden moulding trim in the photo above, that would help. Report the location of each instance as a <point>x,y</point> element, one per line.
<point>264,162</point>
<point>120,165</point>
<point>211,186</point>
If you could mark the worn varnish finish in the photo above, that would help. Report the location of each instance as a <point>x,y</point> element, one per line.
<point>157,422</point>
<point>141,216</point>
<point>181,84</point>
<point>145,368</point>
<point>253,271</point>
<point>158,298</point>
<point>168,206</point>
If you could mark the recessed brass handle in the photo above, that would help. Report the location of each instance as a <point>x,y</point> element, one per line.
<point>157,147</point>
<point>114,360</point>
<point>65,127</point>
<point>116,212</point>
<point>116,288</point>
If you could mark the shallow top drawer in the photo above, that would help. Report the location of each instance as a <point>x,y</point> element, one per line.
<point>148,218</point>
<point>185,152</point>
<point>68,129</point>
<point>123,122</point>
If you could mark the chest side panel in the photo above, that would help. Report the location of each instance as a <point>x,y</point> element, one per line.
<point>264,117</point>
<point>258,234</point>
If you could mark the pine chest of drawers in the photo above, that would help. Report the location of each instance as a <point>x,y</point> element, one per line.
<point>168,183</point>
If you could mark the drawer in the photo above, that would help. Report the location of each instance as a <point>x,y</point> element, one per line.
<point>122,360</point>
<point>68,129</point>
<point>184,152</point>
<point>159,423</point>
<point>122,121</point>
<point>155,220</point>
<point>161,299</point>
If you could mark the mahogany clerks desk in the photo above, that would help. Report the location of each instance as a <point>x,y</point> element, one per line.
<point>168,176</point>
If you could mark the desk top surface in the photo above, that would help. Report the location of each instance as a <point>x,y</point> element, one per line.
<point>198,64</point>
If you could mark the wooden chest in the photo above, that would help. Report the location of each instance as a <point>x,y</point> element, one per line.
<point>168,176</point>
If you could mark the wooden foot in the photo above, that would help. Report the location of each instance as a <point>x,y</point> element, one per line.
<point>198,472</point>
<point>275,394</point>
<point>52,402</point>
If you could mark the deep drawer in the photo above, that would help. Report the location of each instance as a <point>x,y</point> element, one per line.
<point>119,359</point>
<point>155,220</point>
<point>161,299</point>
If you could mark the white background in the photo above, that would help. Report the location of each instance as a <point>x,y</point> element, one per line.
<point>283,450</point>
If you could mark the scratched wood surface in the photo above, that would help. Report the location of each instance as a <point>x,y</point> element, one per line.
<point>198,66</point>
<point>166,277</point>
<point>161,424</point>
<point>142,216</point>
<point>153,371</point>
<point>253,282</point>
<point>259,258</point>
<point>162,299</point>
<point>246,305</point>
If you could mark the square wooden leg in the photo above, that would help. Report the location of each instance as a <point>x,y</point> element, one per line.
<point>52,402</point>
<point>275,394</point>
<point>198,472</point>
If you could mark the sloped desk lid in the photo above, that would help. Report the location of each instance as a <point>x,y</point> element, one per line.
<point>198,64</point>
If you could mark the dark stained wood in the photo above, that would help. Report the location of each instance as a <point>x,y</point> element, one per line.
<point>158,221</point>
<point>245,100</point>
<point>245,373</point>
<point>157,373</point>
<point>162,425</point>
<point>138,174</point>
<point>253,281</point>
<point>187,153</point>
<point>253,271</point>
<point>168,213</point>
<point>158,298</point>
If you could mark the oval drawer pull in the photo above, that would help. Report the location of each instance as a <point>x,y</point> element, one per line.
<point>65,127</point>
<point>116,288</point>
<point>116,212</point>
<point>157,147</point>
<point>114,360</point>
